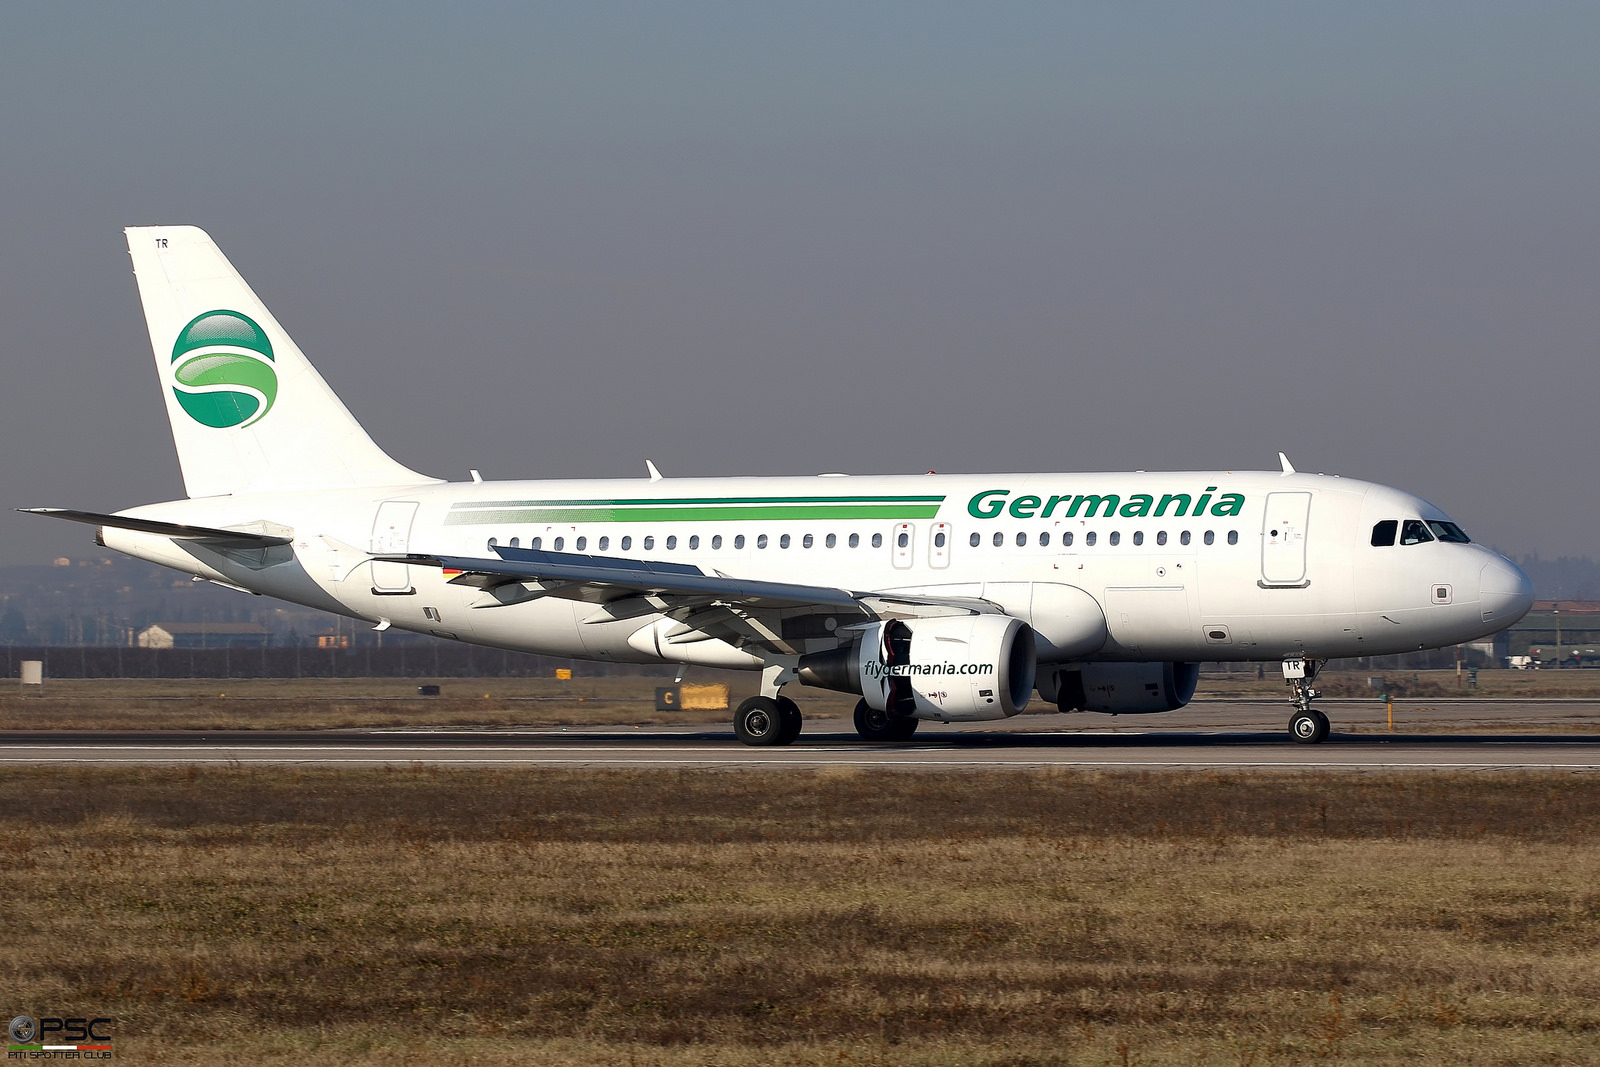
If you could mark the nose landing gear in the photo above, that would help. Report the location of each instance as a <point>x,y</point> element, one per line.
<point>1307,726</point>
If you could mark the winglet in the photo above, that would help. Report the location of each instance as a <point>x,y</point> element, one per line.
<point>655,475</point>
<point>1288,468</point>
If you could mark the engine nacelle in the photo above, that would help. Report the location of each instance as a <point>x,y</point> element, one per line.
<point>951,669</point>
<point>1120,688</point>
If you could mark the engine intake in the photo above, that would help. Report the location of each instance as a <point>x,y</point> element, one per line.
<point>1121,688</point>
<point>952,668</point>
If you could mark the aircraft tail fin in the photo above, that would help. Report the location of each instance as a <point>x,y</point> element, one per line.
<point>249,412</point>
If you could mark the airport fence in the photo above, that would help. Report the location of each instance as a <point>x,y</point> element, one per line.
<point>440,660</point>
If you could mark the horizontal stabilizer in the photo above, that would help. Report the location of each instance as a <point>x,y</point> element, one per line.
<point>207,534</point>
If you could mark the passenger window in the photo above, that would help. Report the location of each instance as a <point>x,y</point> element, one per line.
<point>560,543</point>
<point>938,539</point>
<point>627,542</point>
<point>1022,540</point>
<point>1184,537</point>
<point>975,540</point>
<point>1414,532</point>
<point>516,542</point>
<point>1089,538</point>
<point>783,542</point>
<point>807,541</point>
<point>649,542</point>
<point>904,539</point>
<point>694,542</point>
<point>1066,539</point>
<point>761,541</point>
<point>1116,537</point>
<point>1211,538</point>
<point>831,541</point>
<point>738,541</point>
<point>1161,537</point>
<point>1449,532</point>
<point>583,542</point>
<point>605,543</point>
<point>1138,537</point>
<point>672,541</point>
<point>1384,532</point>
<point>1233,537</point>
<point>877,540</point>
<point>999,539</point>
<point>855,540</point>
<point>716,542</point>
<point>493,542</point>
<point>1044,539</point>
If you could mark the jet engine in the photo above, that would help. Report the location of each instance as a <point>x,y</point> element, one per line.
<point>950,669</point>
<point>1120,688</point>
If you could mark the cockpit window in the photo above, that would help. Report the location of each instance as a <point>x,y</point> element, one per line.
<point>1383,533</point>
<point>1449,532</point>
<point>1414,532</point>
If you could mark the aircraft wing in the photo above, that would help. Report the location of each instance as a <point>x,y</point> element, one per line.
<point>782,617</point>
<point>207,535</point>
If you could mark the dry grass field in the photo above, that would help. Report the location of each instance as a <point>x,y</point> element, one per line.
<point>832,917</point>
<point>324,703</point>
<point>346,703</point>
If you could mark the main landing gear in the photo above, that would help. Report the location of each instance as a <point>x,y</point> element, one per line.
<point>763,721</point>
<point>1307,726</point>
<point>769,719</point>
<point>875,725</point>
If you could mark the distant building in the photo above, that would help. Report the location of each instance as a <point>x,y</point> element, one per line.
<point>204,635</point>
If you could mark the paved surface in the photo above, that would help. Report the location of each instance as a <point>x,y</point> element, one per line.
<point>1563,735</point>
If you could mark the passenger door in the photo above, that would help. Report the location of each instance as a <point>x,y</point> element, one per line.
<point>391,534</point>
<point>1283,539</point>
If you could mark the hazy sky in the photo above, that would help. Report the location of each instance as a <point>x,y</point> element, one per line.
<point>549,241</point>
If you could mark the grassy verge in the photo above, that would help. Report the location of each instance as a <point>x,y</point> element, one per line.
<point>807,917</point>
<point>323,703</point>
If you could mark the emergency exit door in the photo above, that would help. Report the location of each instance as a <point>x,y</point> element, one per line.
<point>1283,539</point>
<point>391,535</point>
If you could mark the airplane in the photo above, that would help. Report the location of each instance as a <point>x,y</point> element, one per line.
<point>935,598</point>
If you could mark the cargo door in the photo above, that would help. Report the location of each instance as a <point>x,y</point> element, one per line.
<point>1156,621</point>
<point>1283,539</point>
<point>391,533</point>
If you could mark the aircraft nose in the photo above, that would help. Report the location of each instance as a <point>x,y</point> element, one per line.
<point>1505,592</point>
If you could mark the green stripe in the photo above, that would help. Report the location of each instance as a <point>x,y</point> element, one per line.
<point>700,500</point>
<point>691,514</point>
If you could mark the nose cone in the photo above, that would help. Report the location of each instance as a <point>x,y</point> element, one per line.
<point>1505,592</point>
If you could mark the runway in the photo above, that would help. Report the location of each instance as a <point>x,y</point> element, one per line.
<point>1553,735</point>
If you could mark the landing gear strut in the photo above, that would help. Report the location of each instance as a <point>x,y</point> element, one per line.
<point>1307,726</point>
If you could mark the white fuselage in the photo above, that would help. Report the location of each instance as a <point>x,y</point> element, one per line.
<point>1186,566</point>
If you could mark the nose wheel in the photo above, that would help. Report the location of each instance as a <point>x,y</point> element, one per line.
<point>1307,726</point>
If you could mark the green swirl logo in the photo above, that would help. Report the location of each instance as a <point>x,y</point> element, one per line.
<point>223,372</point>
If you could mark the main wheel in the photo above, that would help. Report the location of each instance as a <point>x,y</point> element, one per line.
<point>1324,727</point>
<point>792,721</point>
<point>875,725</point>
<point>759,721</point>
<point>1305,729</point>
